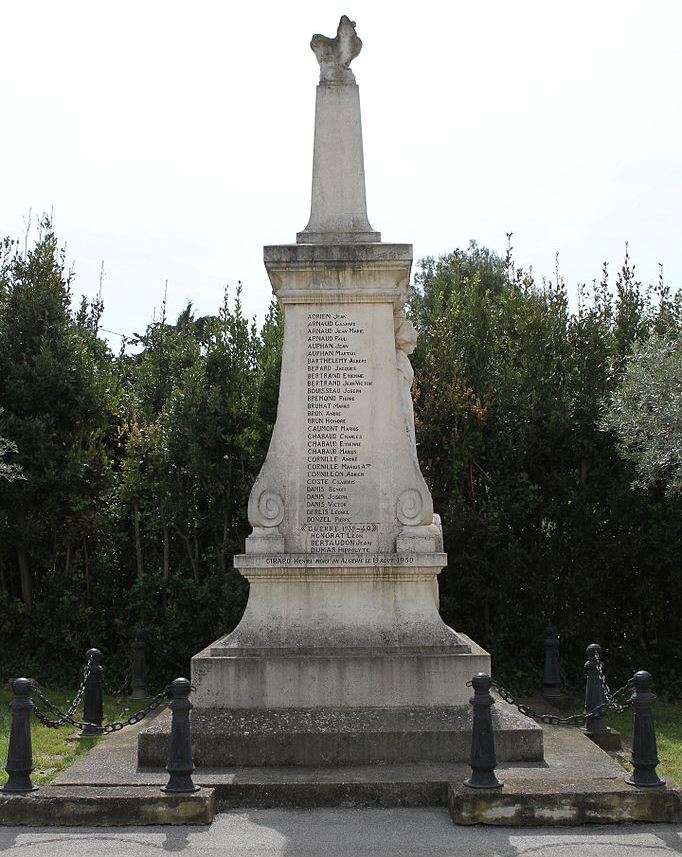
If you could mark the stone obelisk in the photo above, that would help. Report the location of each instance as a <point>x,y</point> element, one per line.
<point>342,624</point>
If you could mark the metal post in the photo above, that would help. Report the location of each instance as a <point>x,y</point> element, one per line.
<point>482,759</point>
<point>594,691</point>
<point>20,751</point>
<point>644,752</point>
<point>93,707</point>
<point>138,668</point>
<point>180,764</point>
<point>551,678</point>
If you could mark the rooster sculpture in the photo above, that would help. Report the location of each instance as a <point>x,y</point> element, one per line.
<point>335,55</point>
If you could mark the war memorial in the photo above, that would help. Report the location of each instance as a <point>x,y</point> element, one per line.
<point>341,655</point>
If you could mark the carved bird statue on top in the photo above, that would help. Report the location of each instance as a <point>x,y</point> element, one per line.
<point>335,55</point>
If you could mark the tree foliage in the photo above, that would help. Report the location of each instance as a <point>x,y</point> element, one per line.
<point>540,522</point>
<point>645,412</point>
<point>138,465</point>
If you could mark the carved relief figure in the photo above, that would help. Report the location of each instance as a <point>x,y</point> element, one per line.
<point>335,55</point>
<point>405,343</point>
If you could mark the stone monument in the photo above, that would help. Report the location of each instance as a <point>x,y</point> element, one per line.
<point>341,643</point>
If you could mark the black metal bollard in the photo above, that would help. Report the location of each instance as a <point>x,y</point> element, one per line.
<point>644,752</point>
<point>138,668</point>
<point>482,759</point>
<point>594,691</point>
<point>20,751</point>
<point>93,708</point>
<point>551,677</point>
<point>180,764</point>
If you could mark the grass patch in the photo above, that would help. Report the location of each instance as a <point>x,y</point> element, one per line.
<point>52,753</point>
<point>668,719</point>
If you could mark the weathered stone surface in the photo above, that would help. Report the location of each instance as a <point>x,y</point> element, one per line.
<point>533,802</point>
<point>326,736</point>
<point>341,475</point>
<point>106,806</point>
<point>334,676</point>
<point>335,55</point>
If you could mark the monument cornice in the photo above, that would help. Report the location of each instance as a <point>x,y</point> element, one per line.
<point>337,253</point>
<point>339,273</point>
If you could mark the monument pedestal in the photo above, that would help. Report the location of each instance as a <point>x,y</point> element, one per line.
<point>345,635</point>
<point>339,664</point>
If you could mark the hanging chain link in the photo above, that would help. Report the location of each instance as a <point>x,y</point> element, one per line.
<point>156,702</point>
<point>608,695</point>
<point>572,719</point>
<point>107,728</point>
<point>602,678</point>
<point>65,717</point>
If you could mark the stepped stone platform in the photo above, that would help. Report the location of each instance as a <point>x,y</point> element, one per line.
<point>577,784</point>
<point>333,736</point>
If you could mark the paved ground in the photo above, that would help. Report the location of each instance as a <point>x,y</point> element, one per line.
<point>342,833</point>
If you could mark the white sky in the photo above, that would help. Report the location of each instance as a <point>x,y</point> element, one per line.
<point>172,140</point>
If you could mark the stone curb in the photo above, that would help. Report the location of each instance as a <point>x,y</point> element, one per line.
<point>527,804</point>
<point>104,806</point>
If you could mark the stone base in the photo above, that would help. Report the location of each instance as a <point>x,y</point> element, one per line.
<point>537,802</point>
<point>344,679</point>
<point>326,736</point>
<point>105,806</point>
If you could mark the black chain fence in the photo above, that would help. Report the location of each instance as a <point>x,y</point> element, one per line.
<point>616,701</point>
<point>571,719</point>
<point>106,728</point>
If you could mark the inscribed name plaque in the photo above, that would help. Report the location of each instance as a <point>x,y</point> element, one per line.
<point>340,489</point>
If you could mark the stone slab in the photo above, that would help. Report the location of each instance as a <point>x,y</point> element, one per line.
<point>326,736</point>
<point>532,801</point>
<point>105,806</point>
<point>336,253</point>
<point>576,773</point>
<point>227,676</point>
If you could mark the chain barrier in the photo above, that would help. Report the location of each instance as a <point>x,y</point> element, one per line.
<point>572,719</point>
<point>602,678</point>
<point>107,728</point>
<point>65,717</point>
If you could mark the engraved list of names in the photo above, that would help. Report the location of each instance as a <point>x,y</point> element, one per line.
<point>339,483</point>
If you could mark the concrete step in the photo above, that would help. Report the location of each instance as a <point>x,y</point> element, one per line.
<point>577,783</point>
<point>340,736</point>
<point>105,806</point>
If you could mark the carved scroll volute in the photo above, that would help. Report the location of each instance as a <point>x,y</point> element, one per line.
<point>414,508</point>
<point>266,508</point>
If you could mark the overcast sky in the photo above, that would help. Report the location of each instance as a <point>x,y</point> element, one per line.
<point>172,140</point>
